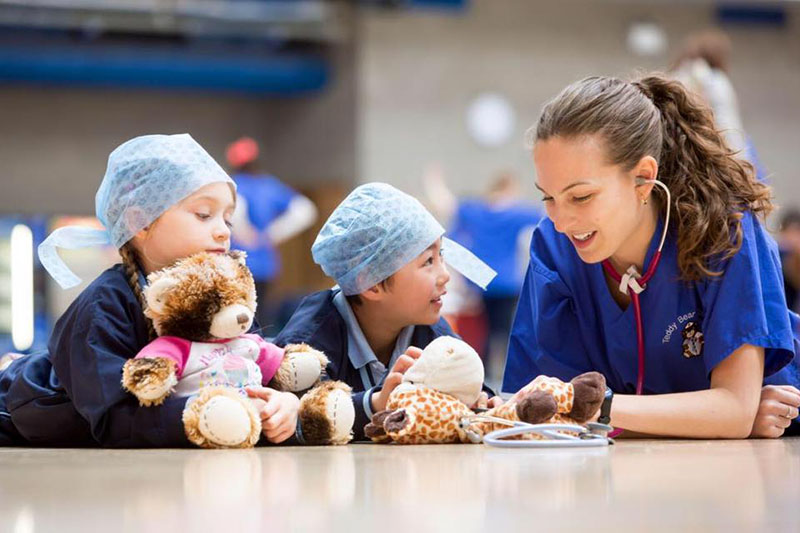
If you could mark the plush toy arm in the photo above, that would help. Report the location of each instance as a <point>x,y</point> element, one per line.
<point>375,430</point>
<point>153,373</point>
<point>173,348</point>
<point>150,379</point>
<point>589,391</point>
<point>220,417</point>
<point>302,368</point>
<point>424,416</point>
<point>532,406</point>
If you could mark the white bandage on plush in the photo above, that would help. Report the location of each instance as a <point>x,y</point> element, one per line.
<point>451,366</point>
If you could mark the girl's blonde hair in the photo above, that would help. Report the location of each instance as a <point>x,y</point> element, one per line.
<point>132,267</point>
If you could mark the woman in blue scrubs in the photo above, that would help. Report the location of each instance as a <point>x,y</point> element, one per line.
<point>716,357</point>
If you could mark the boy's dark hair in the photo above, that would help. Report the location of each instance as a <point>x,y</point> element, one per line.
<point>355,299</point>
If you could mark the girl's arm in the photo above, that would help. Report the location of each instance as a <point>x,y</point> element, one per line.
<point>89,348</point>
<point>725,411</point>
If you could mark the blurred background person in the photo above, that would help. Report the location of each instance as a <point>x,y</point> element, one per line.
<point>789,246</point>
<point>703,65</point>
<point>268,213</point>
<point>496,227</point>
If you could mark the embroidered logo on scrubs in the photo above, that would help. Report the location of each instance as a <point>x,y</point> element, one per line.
<point>692,340</point>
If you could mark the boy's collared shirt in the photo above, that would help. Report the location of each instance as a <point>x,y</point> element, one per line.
<point>361,356</point>
<point>372,371</point>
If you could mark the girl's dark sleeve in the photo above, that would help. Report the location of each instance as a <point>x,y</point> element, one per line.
<point>91,348</point>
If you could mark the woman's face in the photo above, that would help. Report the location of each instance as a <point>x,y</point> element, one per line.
<point>594,203</point>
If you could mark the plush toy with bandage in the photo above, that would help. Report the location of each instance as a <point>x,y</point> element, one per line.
<point>438,391</point>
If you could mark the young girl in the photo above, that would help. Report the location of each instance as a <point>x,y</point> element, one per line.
<point>162,198</point>
<point>676,298</point>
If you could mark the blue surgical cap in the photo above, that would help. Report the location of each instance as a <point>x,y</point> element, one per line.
<point>145,176</point>
<point>377,230</point>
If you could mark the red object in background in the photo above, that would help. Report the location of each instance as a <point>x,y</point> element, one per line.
<point>241,152</point>
<point>473,329</point>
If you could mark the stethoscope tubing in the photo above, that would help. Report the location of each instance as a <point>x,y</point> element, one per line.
<point>637,308</point>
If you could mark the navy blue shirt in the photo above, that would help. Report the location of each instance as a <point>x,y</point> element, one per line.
<point>318,323</point>
<point>71,394</point>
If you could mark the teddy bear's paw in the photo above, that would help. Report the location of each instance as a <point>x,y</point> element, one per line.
<point>150,379</point>
<point>221,418</point>
<point>590,389</point>
<point>327,414</point>
<point>536,407</point>
<point>301,368</point>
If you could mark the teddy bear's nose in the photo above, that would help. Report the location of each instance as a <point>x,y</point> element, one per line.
<point>242,318</point>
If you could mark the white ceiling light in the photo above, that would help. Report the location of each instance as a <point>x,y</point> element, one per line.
<point>21,287</point>
<point>490,119</point>
<point>646,38</point>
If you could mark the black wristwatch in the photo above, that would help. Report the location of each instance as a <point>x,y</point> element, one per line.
<point>605,407</point>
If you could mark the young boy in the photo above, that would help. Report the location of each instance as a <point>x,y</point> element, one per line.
<point>386,253</point>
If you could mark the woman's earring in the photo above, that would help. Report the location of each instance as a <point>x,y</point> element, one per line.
<point>644,201</point>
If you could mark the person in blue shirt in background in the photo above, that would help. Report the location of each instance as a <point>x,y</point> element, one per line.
<point>162,198</point>
<point>268,213</point>
<point>789,246</point>
<point>719,343</point>
<point>495,227</point>
<point>387,254</point>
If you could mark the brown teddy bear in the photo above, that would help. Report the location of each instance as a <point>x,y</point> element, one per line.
<point>201,308</point>
<point>434,401</point>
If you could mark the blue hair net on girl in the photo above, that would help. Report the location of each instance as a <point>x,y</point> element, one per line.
<point>145,176</point>
<point>377,230</point>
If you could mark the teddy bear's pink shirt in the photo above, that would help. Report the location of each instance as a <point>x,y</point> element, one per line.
<point>244,361</point>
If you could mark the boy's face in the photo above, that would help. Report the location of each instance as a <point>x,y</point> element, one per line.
<point>414,293</point>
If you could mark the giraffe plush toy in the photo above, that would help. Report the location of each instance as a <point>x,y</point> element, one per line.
<point>439,389</point>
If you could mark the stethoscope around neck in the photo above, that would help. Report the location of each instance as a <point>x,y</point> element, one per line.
<point>633,284</point>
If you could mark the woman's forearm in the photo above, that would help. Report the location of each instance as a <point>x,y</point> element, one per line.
<point>706,414</point>
<point>725,411</point>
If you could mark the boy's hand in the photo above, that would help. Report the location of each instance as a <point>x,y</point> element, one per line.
<point>278,413</point>
<point>394,378</point>
<point>484,402</point>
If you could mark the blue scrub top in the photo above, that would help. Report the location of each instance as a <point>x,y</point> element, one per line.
<point>267,199</point>
<point>567,321</point>
<point>491,233</point>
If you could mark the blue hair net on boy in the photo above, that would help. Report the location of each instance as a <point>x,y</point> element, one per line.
<point>145,176</point>
<point>377,230</point>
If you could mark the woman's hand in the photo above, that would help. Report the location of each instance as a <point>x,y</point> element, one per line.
<point>778,407</point>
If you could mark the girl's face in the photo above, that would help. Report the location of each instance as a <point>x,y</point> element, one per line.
<point>201,222</point>
<point>594,203</point>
